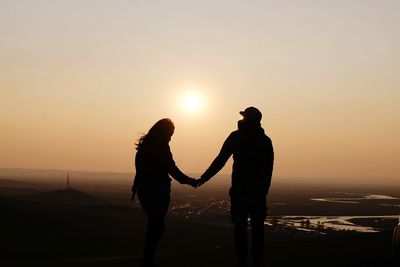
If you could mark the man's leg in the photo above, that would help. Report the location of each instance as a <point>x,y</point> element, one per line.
<point>240,235</point>
<point>239,217</point>
<point>257,229</point>
<point>258,213</point>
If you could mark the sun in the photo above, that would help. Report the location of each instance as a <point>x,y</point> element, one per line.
<point>192,102</point>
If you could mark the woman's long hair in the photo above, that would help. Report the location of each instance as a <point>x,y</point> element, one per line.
<point>159,133</point>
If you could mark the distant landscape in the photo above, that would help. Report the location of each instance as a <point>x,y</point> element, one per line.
<point>91,222</point>
<point>85,83</point>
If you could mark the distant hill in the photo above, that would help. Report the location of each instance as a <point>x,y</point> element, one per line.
<point>65,196</point>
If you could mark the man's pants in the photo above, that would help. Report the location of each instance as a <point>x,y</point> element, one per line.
<point>244,206</point>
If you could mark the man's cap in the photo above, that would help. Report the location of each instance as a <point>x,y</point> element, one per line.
<point>251,113</point>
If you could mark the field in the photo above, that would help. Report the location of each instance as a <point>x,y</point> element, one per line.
<point>70,227</point>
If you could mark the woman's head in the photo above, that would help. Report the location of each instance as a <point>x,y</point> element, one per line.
<point>161,132</point>
<point>163,129</point>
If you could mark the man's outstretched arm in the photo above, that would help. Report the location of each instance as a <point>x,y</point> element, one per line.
<point>219,161</point>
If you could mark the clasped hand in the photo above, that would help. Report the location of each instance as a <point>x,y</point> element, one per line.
<point>195,182</point>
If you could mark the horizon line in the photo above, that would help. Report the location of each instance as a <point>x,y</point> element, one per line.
<point>307,178</point>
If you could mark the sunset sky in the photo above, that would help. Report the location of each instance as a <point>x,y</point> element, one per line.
<point>80,80</point>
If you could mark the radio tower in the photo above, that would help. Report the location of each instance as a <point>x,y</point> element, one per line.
<point>68,181</point>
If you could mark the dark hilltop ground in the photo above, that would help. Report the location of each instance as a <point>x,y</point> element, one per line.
<point>93,224</point>
<point>45,233</point>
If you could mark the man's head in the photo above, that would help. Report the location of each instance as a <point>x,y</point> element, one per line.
<point>251,114</point>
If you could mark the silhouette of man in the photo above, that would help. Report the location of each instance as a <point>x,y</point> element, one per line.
<point>253,159</point>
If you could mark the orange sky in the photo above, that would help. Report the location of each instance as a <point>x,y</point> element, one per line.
<point>80,80</point>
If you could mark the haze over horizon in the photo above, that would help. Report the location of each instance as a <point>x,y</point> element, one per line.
<point>81,80</point>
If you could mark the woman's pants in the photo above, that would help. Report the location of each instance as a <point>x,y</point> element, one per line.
<point>155,202</point>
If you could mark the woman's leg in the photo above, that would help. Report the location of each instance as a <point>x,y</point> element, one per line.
<point>155,207</point>
<point>154,231</point>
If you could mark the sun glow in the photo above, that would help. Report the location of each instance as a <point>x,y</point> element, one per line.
<point>192,102</point>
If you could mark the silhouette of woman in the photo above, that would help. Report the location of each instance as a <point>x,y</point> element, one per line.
<point>154,163</point>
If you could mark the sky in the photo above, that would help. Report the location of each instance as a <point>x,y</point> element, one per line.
<point>81,80</point>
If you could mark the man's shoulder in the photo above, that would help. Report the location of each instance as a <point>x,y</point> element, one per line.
<point>236,132</point>
<point>267,138</point>
<point>232,138</point>
<point>233,135</point>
